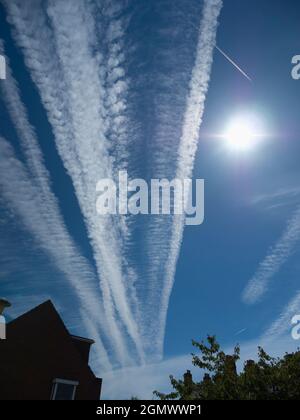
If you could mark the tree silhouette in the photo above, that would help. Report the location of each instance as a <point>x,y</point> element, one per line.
<point>268,378</point>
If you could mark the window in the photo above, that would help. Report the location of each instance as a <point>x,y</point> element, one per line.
<point>63,389</point>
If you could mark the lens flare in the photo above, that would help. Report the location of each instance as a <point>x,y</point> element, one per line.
<point>243,134</point>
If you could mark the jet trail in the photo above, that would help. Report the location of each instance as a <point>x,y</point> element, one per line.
<point>25,199</point>
<point>224,55</point>
<point>198,88</point>
<point>283,323</point>
<point>82,109</point>
<point>272,263</point>
<point>47,208</point>
<point>233,63</point>
<point>84,86</point>
<point>67,76</point>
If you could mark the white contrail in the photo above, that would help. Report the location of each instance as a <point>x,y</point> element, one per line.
<point>240,331</point>
<point>48,204</point>
<point>187,149</point>
<point>233,63</point>
<point>275,259</point>
<point>190,131</point>
<point>67,77</point>
<point>110,25</point>
<point>82,80</point>
<point>283,323</point>
<point>78,132</point>
<point>38,214</point>
<point>117,85</point>
<point>115,79</point>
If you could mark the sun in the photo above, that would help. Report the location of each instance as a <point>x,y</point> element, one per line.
<point>242,134</point>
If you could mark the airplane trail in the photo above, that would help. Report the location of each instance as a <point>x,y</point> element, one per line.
<point>47,207</point>
<point>224,54</point>
<point>276,257</point>
<point>69,76</point>
<point>233,63</point>
<point>194,110</point>
<point>79,135</point>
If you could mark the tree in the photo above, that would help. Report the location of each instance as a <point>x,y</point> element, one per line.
<point>268,378</point>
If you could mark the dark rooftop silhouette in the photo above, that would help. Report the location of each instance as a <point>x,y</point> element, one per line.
<point>41,360</point>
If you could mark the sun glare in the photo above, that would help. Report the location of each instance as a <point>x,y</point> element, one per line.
<point>242,134</point>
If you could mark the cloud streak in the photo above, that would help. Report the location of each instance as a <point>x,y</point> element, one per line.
<point>283,323</point>
<point>67,76</point>
<point>169,239</point>
<point>190,130</point>
<point>38,213</point>
<point>28,190</point>
<point>275,259</point>
<point>83,87</point>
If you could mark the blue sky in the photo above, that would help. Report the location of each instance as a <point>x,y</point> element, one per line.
<point>97,86</point>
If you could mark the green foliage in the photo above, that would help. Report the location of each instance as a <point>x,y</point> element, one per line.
<point>267,378</point>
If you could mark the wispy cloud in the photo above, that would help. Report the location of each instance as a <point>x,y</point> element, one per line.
<point>38,213</point>
<point>141,381</point>
<point>84,88</point>
<point>111,23</point>
<point>111,26</point>
<point>275,259</point>
<point>83,85</point>
<point>279,198</point>
<point>36,178</point>
<point>283,323</point>
<point>188,146</point>
<point>68,77</point>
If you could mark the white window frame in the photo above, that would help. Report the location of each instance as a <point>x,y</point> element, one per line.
<point>58,381</point>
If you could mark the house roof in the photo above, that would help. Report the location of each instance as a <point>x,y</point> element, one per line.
<point>45,313</point>
<point>39,344</point>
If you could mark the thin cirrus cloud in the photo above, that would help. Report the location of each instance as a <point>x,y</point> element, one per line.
<point>278,255</point>
<point>84,86</point>
<point>282,196</point>
<point>275,259</point>
<point>28,191</point>
<point>282,324</point>
<point>45,225</point>
<point>116,80</point>
<point>188,144</point>
<point>67,76</point>
<point>85,96</point>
